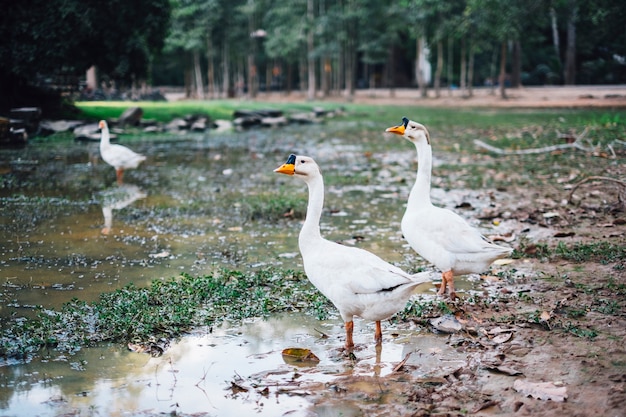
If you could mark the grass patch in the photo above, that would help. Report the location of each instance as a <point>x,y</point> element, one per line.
<point>165,309</point>
<point>603,252</point>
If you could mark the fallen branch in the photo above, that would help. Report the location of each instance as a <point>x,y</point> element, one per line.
<point>599,178</point>
<point>577,144</point>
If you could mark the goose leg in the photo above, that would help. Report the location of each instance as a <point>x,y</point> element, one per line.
<point>451,290</point>
<point>378,335</point>
<point>119,172</point>
<point>442,288</point>
<point>349,329</point>
<point>447,280</point>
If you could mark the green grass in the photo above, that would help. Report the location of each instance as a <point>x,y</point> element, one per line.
<point>166,111</point>
<point>165,309</point>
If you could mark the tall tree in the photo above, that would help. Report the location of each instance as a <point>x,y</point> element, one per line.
<point>69,36</point>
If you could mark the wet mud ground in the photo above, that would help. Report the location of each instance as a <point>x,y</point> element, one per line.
<point>195,205</point>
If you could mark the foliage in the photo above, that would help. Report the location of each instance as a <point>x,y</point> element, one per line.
<point>63,38</point>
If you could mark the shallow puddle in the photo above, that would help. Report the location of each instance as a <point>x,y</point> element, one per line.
<point>69,231</point>
<point>229,371</point>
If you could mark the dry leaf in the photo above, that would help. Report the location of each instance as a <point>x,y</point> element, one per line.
<point>502,338</point>
<point>541,390</point>
<point>490,278</point>
<point>300,356</point>
<point>545,316</point>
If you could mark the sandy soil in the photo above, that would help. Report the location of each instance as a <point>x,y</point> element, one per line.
<point>574,96</point>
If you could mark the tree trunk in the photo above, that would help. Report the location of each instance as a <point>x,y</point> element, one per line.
<point>326,76</point>
<point>303,72</point>
<point>502,77</point>
<point>492,71</point>
<point>463,71</point>
<point>389,82</point>
<point>570,53</point>
<point>419,67</point>
<point>555,38</point>
<point>310,45</point>
<point>470,71</point>
<point>449,65</point>
<point>198,75</point>
<point>226,72</point>
<point>350,55</point>
<point>252,69</point>
<point>516,65</point>
<point>211,87</point>
<point>289,86</point>
<point>439,69</point>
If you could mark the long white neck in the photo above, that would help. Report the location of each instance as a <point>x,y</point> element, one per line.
<point>311,228</point>
<point>420,193</point>
<point>105,138</point>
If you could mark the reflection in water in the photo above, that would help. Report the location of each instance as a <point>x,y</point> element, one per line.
<point>200,372</point>
<point>116,198</point>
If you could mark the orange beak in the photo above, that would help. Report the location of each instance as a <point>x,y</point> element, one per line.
<point>289,167</point>
<point>102,124</point>
<point>398,130</point>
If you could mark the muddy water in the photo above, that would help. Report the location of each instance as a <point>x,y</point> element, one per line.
<point>68,230</point>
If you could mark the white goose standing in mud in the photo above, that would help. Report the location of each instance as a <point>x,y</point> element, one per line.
<point>118,156</point>
<point>356,281</point>
<point>439,235</point>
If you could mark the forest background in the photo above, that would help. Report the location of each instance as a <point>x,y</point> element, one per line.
<point>58,49</point>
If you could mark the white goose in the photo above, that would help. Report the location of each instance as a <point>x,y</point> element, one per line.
<point>118,156</point>
<point>439,235</point>
<point>356,281</point>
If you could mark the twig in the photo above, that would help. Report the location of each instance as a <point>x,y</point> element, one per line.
<point>401,364</point>
<point>577,144</point>
<point>594,178</point>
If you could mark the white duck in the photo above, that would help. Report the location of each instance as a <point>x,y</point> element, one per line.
<point>439,235</point>
<point>356,281</point>
<point>118,156</point>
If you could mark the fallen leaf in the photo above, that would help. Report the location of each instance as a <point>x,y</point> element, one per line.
<point>502,338</point>
<point>503,369</point>
<point>300,356</point>
<point>541,390</point>
<point>545,316</point>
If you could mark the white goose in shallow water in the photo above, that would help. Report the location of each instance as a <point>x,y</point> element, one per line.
<point>118,156</point>
<point>356,281</point>
<point>439,235</point>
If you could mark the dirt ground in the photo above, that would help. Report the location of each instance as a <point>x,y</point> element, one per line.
<point>571,96</point>
<point>547,339</point>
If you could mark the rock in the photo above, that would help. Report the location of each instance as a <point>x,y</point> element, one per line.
<point>246,122</point>
<point>177,124</point>
<point>131,116</point>
<point>90,133</point>
<point>257,113</point>
<point>274,121</point>
<point>152,129</point>
<point>446,324</point>
<point>48,127</point>
<point>199,125</point>
<point>223,125</point>
<point>303,118</point>
<point>30,116</point>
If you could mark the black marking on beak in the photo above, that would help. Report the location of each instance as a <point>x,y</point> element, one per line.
<point>405,122</point>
